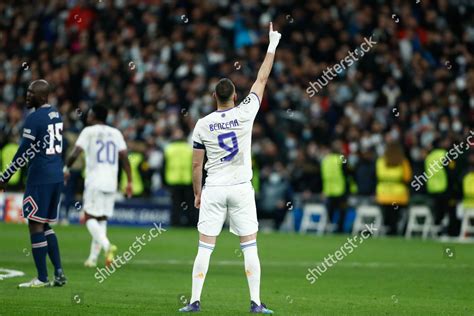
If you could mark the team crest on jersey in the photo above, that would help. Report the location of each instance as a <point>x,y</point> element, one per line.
<point>246,100</point>
<point>53,115</point>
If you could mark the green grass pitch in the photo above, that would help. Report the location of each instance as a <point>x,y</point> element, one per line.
<point>384,276</point>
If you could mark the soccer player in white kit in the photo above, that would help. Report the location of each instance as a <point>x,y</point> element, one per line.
<point>103,146</point>
<point>225,137</point>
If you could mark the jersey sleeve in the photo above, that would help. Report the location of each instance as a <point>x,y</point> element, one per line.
<point>121,144</point>
<point>197,140</point>
<point>83,139</point>
<point>30,129</point>
<point>249,107</point>
<point>28,141</point>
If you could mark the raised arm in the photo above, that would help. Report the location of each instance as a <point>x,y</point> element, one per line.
<point>259,86</point>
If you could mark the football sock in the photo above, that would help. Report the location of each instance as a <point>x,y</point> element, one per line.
<point>252,268</point>
<point>201,264</point>
<point>39,247</point>
<point>98,233</point>
<point>95,245</point>
<point>103,226</point>
<point>53,249</point>
<point>95,250</point>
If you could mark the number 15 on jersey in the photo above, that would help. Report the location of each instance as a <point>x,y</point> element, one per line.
<point>55,134</point>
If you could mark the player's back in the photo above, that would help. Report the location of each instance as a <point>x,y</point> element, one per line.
<point>44,127</point>
<point>227,138</point>
<point>101,145</point>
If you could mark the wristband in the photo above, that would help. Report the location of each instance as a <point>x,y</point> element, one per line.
<point>272,47</point>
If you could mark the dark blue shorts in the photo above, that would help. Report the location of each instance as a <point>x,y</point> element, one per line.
<point>40,203</point>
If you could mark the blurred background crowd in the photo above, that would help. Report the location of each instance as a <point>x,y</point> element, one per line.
<point>155,63</point>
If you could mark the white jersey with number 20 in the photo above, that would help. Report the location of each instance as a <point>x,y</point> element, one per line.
<point>101,145</point>
<point>227,138</point>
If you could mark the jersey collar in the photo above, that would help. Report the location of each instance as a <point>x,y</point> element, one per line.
<point>219,111</point>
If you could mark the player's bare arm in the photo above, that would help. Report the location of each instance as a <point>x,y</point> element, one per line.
<point>259,86</point>
<point>76,152</point>
<point>198,161</point>
<point>73,156</point>
<point>123,155</point>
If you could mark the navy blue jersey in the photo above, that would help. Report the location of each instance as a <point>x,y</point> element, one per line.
<point>41,146</point>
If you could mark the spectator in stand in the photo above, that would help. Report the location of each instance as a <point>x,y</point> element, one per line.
<point>305,175</point>
<point>276,197</point>
<point>364,174</point>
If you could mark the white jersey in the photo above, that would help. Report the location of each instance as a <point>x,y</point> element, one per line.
<point>101,145</point>
<point>227,138</point>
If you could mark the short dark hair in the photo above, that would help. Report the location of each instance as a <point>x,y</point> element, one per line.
<point>224,90</point>
<point>100,112</point>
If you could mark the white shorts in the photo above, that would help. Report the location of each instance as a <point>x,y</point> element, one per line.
<point>98,203</point>
<point>236,200</point>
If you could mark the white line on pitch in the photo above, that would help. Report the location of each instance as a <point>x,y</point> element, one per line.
<point>305,264</point>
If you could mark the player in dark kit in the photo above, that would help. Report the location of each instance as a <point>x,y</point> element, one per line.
<point>41,148</point>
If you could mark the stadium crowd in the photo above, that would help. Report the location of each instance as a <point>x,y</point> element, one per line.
<point>155,63</point>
